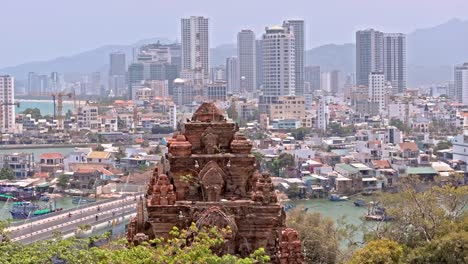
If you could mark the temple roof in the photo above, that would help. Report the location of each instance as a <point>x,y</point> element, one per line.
<point>208,112</point>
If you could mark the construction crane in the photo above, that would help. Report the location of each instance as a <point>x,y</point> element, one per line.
<point>58,111</point>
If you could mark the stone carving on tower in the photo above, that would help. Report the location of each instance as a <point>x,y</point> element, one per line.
<point>211,180</point>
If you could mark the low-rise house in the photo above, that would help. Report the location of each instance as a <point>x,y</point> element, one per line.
<point>101,157</point>
<point>22,164</point>
<point>423,173</point>
<point>51,163</point>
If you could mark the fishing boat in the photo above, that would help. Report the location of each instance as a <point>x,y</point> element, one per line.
<point>359,202</point>
<point>337,198</point>
<point>44,198</point>
<point>288,207</point>
<point>82,200</point>
<point>7,197</point>
<point>377,213</point>
<point>25,210</point>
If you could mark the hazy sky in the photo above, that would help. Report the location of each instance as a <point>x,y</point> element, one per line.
<point>33,30</point>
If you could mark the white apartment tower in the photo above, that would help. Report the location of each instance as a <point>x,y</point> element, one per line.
<point>379,90</point>
<point>278,64</point>
<point>195,45</point>
<point>117,73</point>
<point>394,60</point>
<point>369,54</point>
<point>461,83</point>
<point>232,75</point>
<point>323,115</point>
<point>297,28</point>
<point>247,60</point>
<point>7,106</point>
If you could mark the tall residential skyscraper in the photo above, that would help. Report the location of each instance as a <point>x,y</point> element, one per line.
<point>117,63</point>
<point>232,75</point>
<point>259,63</point>
<point>195,44</point>
<point>381,52</point>
<point>246,54</point>
<point>117,72</point>
<point>7,107</point>
<point>369,54</point>
<point>278,65</point>
<point>312,77</point>
<point>297,28</point>
<point>461,83</point>
<point>394,56</point>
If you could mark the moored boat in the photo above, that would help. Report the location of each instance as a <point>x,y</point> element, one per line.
<point>359,202</point>
<point>25,210</point>
<point>337,198</point>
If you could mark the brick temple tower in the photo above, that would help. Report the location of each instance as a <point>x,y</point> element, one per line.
<point>211,180</point>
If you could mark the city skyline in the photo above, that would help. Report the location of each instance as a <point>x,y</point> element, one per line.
<point>68,37</point>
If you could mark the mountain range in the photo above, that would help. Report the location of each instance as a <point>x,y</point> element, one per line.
<point>431,54</point>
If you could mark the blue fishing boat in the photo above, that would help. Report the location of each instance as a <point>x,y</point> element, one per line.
<point>337,198</point>
<point>360,202</point>
<point>25,210</point>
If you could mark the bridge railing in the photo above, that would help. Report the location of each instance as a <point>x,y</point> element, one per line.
<point>76,208</point>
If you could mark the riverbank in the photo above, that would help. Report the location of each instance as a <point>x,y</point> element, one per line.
<point>39,146</point>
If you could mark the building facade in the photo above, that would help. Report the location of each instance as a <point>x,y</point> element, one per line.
<point>117,72</point>
<point>298,29</point>
<point>369,54</point>
<point>195,44</point>
<point>312,78</point>
<point>394,60</point>
<point>232,75</point>
<point>461,83</point>
<point>247,60</point>
<point>278,65</point>
<point>7,104</point>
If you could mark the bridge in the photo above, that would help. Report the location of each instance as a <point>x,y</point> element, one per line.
<point>103,214</point>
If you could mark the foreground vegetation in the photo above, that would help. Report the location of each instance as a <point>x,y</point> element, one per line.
<point>186,246</point>
<point>428,226</point>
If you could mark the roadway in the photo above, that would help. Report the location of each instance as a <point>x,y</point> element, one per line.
<point>34,230</point>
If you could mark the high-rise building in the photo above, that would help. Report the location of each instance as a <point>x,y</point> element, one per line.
<point>117,72</point>
<point>369,54</point>
<point>460,83</point>
<point>7,107</point>
<point>247,58</point>
<point>323,115</point>
<point>379,89</point>
<point>335,82</point>
<point>381,52</point>
<point>312,77</point>
<point>195,44</point>
<point>278,65</point>
<point>96,83</point>
<point>259,63</point>
<point>394,60</point>
<point>232,75</point>
<point>297,28</point>
<point>117,65</point>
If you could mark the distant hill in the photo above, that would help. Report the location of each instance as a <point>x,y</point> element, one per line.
<point>432,53</point>
<point>81,63</point>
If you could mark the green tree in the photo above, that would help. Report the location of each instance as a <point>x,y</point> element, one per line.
<point>382,251</point>
<point>283,161</point>
<point>7,174</point>
<point>186,246</point>
<point>293,191</point>
<point>99,148</point>
<point>300,133</point>
<point>34,112</point>
<point>157,129</point>
<point>400,125</point>
<point>231,111</point>
<point>443,144</point>
<point>336,129</point>
<point>63,181</point>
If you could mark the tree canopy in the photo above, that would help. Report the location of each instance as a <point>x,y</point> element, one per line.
<point>183,246</point>
<point>34,112</point>
<point>7,174</point>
